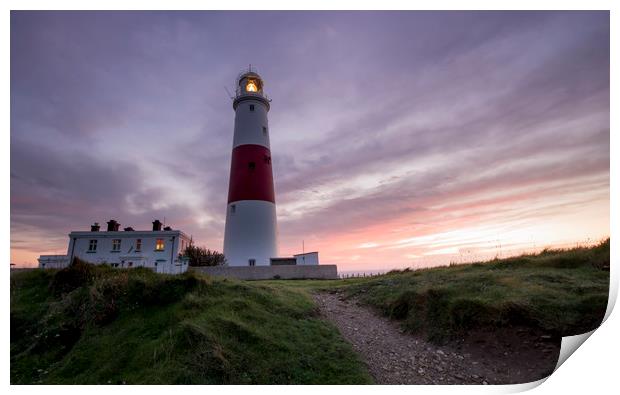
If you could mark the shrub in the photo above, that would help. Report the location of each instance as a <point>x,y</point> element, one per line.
<point>77,274</point>
<point>200,256</point>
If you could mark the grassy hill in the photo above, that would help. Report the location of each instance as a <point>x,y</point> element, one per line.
<point>93,325</point>
<point>99,325</point>
<point>560,292</point>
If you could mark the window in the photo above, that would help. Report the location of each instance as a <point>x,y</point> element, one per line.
<point>233,208</point>
<point>251,107</point>
<point>159,245</point>
<point>138,245</point>
<point>92,246</point>
<point>252,262</point>
<point>252,165</point>
<point>264,131</point>
<point>116,245</point>
<point>267,159</point>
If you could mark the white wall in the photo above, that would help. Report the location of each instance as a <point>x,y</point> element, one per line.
<point>271,272</point>
<point>53,261</point>
<point>250,233</point>
<point>165,261</point>
<point>309,258</point>
<point>249,124</point>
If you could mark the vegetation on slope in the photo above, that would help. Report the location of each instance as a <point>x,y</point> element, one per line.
<point>100,325</point>
<point>561,292</point>
<point>97,325</point>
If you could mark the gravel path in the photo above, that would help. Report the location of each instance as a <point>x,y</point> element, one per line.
<point>396,357</point>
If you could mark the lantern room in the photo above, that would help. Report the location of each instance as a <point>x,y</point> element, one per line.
<point>250,87</point>
<point>250,83</point>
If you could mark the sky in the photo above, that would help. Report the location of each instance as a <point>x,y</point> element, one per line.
<point>399,139</point>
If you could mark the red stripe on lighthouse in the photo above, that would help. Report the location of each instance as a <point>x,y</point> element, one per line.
<point>251,177</point>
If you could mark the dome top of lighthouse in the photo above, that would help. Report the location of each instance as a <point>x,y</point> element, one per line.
<point>248,74</point>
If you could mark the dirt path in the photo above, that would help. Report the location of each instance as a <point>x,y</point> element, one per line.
<point>396,357</point>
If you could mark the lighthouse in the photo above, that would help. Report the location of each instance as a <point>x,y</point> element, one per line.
<point>250,236</point>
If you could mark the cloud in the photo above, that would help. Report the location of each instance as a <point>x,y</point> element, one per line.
<point>385,125</point>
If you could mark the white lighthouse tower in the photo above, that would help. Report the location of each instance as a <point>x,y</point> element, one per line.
<point>250,237</point>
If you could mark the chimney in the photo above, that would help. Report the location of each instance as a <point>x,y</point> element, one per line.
<point>113,226</point>
<point>167,228</point>
<point>95,227</point>
<point>156,226</point>
<point>128,229</point>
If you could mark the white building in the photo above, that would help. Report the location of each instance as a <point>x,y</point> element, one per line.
<point>156,249</point>
<point>305,259</point>
<point>53,261</point>
<point>308,258</point>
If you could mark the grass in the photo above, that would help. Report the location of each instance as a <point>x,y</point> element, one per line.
<point>561,292</point>
<point>96,325</point>
<point>92,325</point>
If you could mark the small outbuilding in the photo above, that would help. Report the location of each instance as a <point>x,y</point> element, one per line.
<point>308,258</point>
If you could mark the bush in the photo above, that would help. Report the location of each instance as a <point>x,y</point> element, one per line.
<point>200,256</point>
<point>77,274</point>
